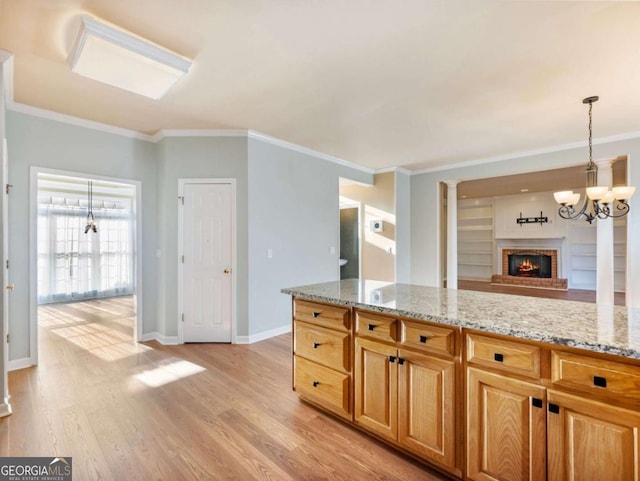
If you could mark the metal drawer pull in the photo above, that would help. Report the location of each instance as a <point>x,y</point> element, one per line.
<point>400,361</point>
<point>554,408</point>
<point>423,339</point>
<point>536,403</point>
<point>316,314</point>
<point>315,345</point>
<point>600,381</point>
<point>392,359</point>
<point>315,383</point>
<point>372,327</point>
<point>498,357</point>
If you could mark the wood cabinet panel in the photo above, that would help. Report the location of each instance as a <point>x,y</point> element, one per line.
<point>590,440</point>
<point>376,326</point>
<point>417,335</point>
<point>325,346</point>
<point>375,378</point>
<point>595,376</point>
<point>514,357</point>
<point>323,386</point>
<point>332,317</point>
<point>506,432</point>
<point>427,407</point>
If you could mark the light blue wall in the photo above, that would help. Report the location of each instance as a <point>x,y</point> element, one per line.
<point>198,157</point>
<point>403,227</point>
<point>34,141</point>
<point>293,210</point>
<point>425,249</point>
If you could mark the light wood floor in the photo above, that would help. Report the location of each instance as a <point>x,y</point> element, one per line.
<point>127,411</point>
<point>571,294</point>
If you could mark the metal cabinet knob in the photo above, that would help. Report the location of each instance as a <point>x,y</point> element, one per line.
<point>227,271</point>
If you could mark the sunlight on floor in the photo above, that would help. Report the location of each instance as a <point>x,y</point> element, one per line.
<point>95,326</point>
<point>174,371</point>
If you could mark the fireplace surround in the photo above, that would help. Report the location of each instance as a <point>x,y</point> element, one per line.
<point>530,268</point>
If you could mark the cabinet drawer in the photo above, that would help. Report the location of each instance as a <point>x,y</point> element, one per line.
<point>324,346</point>
<point>427,338</point>
<point>595,376</point>
<point>376,327</point>
<point>333,317</point>
<point>514,357</point>
<point>323,386</point>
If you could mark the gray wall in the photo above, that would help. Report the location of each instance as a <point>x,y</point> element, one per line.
<point>294,210</point>
<point>198,157</point>
<point>34,141</point>
<point>403,227</point>
<point>425,249</point>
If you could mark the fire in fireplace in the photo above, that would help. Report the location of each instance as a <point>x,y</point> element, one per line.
<point>529,265</point>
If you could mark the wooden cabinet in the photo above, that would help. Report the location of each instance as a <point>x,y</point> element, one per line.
<point>515,410</point>
<point>427,407</point>
<point>591,440</point>
<point>376,387</point>
<point>506,428</point>
<point>322,356</point>
<point>407,397</point>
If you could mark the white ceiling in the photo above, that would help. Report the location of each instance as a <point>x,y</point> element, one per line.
<point>412,83</point>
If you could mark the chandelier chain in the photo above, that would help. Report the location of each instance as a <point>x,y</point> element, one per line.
<point>590,133</point>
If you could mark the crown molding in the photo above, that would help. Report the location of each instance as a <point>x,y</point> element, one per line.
<point>530,153</point>
<point>305,150</point>
<point>77,121</point>
<point>164,133</point>
<point>398,169</point>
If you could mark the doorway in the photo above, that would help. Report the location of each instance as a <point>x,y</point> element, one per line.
<point>349,242</point>
<point>85,272</point>
<point>207,260</point>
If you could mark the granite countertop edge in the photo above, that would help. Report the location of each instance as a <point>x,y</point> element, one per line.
<point>477,325</point>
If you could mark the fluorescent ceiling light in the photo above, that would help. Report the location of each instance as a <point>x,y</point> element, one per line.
<point>118,58</point>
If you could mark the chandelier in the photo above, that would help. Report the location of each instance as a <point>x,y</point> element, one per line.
<point>600,202</point>
<point>92,225</point>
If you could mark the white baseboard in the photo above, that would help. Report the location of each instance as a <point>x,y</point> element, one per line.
<point>162,339</point>
<point>5,408</point>
<point>16,364</point>
<point>261,336</point>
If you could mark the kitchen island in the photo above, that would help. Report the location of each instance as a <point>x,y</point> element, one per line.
<point>479,385</point>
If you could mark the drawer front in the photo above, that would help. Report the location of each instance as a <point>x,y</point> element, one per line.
<point>425,337</point>
<point>515,357</point>
<point>376,327</point>
<point>595,376</point>
<point>323,386</point>
<point>333,317</point>
<point>324,346</point>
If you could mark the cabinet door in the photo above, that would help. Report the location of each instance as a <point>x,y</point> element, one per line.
<point>506,428</point>
<point>426,406</point>
<point>376,382</point>
<point>591,440</point>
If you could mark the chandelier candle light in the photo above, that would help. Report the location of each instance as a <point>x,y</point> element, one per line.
<point>92,225</point>
<point>600,202</point>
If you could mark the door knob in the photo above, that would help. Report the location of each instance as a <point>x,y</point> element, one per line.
<point>227,271</point>
<point>10,287</point>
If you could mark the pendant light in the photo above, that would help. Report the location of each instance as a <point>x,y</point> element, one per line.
<point>600,202</point>
<point>91,226</point>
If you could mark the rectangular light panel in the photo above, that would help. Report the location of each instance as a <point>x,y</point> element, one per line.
<point>117,58</point>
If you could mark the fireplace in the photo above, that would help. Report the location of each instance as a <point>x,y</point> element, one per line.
<point>530,268</point>
<point>529,265</point>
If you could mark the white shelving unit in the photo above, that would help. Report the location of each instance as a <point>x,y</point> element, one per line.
<point>475,239</point>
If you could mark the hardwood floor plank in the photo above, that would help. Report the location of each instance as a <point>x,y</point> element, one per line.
<point>146,411</point>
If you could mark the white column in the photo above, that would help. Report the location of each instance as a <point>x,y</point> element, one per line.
<point>452,233</point>
<point>604,246</point>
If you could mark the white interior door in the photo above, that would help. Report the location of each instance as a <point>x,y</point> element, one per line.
<point>207,249</point>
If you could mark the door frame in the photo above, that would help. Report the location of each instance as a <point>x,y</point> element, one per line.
<point>360,216</point>
<point>181,184</point>
<point>33,250</point>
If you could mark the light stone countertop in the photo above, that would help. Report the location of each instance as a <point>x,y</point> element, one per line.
<point>608,329</point>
